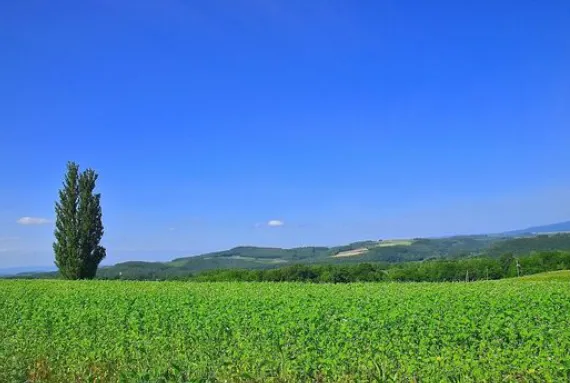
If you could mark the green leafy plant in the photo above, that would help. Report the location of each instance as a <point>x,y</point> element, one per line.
<point>118,331</point>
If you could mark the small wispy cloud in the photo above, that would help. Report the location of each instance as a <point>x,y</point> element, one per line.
<point>33,221</point>
<point>275,223</point>
<point>272,223</point>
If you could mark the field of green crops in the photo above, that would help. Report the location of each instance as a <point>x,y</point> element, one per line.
<point>559,275</point>
<point>56,331</point>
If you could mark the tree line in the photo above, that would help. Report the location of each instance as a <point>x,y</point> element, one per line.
<point>442,270</point>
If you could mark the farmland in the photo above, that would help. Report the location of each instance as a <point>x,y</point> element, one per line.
<point>559,275</point>
<point>109,331</point>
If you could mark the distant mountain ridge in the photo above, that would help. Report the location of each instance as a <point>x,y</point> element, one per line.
<point>560,227</point>
<point>27,269</point>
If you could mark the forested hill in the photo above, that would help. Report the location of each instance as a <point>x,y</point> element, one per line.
<point>247,257</point>
<point>525,245</point>
<point>387,251</point>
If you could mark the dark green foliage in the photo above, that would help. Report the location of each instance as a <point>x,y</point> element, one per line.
<point>260,258</point>
<point>520,246</point>
<point>256,258</point>
<point>507,261</point>
<point>437,270</point>
<point>79,226</point>
<point>364,272</point>
<point>422,249</point>
<point>262,254</point>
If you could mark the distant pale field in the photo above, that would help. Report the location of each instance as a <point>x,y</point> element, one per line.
<point>251,259</point>
<point>116,331</point>
<point>259,260</point>
<point>351,253</point>
<point>363,250</point>
<point>395,242</point>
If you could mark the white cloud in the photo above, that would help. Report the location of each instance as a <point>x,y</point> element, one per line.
<point>275,223</point>
<point>33,221</point>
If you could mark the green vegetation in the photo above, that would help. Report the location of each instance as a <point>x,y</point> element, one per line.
<point>79,226</point>
<point>429,270</point>
<point>447,264</point>
<point>377,251</point>
<point>265,258</point>
<point>560,275</point>
<point>466,269</point>
<point>396,242</point>
<point>104,331</point>
<point>520,246</point>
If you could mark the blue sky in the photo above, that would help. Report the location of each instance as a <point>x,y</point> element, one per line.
<point>341,120</point>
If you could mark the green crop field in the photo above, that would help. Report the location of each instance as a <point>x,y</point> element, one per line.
<point>559,275</point>
<point>98,331</point>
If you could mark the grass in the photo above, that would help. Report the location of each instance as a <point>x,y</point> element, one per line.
<point>395,242</point>
<point>351,253</point>
<point>560,275</point>
<point>111,331</point>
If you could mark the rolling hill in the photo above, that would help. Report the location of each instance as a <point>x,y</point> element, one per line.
<point>386,251</point>
<point>249,257</point>
<point>392,251</point>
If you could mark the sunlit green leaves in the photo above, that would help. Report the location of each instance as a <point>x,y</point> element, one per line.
<point>55,331</point>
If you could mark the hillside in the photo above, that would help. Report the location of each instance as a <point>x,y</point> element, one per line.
<point>386,251</point>
<point>389,252</point>
<point>524,245</point>
<point>248,257</point>
<point>561,227</point>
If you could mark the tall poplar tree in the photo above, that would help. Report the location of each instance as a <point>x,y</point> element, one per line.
<point>78,226</point>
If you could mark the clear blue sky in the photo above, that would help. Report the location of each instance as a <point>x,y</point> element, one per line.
<point>342,120</point>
